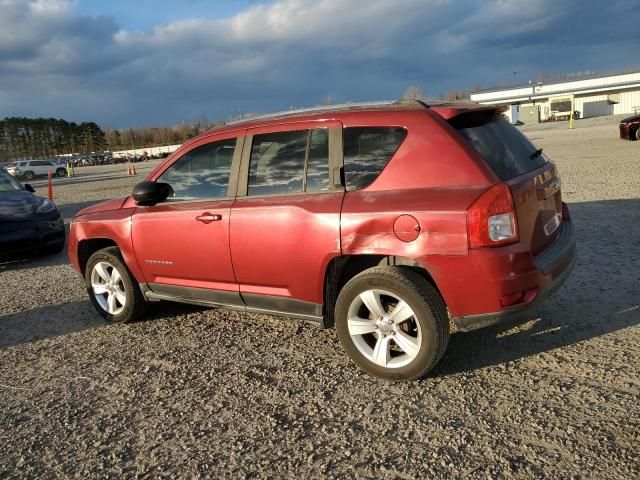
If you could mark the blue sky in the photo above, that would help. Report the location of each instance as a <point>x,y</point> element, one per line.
<point>152,62</point>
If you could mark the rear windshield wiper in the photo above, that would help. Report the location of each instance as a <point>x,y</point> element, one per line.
<point>537,153</point>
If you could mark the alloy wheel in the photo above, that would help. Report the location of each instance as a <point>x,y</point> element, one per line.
<point>108,288</point>
<point>384,328</point>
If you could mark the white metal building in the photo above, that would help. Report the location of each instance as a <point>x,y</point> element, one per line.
<point>591,97</point>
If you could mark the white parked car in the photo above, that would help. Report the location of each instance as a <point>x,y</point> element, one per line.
<point>29,169</point>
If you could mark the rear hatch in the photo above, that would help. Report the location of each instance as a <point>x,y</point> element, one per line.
<point>533,179</point>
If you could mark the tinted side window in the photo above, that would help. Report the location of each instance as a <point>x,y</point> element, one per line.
<point>367,150</point>
<point>318,161</point>
<point>201,173</point>
<point>277,163</point>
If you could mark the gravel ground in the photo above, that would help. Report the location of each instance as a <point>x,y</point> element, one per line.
<point>193,392</point>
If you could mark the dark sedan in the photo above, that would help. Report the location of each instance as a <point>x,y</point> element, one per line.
<point>27,222</point>
<point>630,128</point>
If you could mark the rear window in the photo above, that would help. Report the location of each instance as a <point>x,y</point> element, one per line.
<point>507,151</point>
<point>367,150</point>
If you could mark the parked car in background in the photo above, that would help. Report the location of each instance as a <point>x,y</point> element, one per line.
<point>29,169</point>
<point>630,128</point>
<point>384,221</point>
<point>27,222</point>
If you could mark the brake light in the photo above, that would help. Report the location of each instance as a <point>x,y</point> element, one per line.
<point>491,219</point>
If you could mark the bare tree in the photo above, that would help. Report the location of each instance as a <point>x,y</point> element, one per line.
<point>413,93</point>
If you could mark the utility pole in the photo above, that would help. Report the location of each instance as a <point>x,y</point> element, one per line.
<point>572,110</point>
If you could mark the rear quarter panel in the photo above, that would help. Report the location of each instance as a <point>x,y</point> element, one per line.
<point>368,218</point>
<point>434,177</point>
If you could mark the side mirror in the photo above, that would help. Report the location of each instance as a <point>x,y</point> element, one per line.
<point>149,193</point>
<point>29,188</point>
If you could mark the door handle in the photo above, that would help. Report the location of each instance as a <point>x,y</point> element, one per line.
<point>208,218</point>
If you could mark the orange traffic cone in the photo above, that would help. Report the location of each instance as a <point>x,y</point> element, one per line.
<point>50,193</point>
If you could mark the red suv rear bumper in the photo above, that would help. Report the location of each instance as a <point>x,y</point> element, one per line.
<point>491,285</point>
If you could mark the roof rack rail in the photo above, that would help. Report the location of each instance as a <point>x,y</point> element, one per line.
<point>325,108</point>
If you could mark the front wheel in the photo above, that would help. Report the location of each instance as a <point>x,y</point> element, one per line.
<point>392,322</point>
<point>61,172</point>
<point>112,289</point>
<point>637,133</point>
<point>29,175</point>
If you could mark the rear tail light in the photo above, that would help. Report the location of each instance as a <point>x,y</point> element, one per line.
<point>491,219</point>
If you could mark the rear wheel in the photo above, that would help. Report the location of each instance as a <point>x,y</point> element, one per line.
<point>112,289</point>
<point>637,133</point>
<point>392,323</point>
<point>61,172</point>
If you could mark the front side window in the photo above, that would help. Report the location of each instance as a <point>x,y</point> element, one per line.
<point>367,150</point>
<point>289,162</point>
<point>202,173</point>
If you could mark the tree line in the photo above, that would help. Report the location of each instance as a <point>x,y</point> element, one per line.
<point>144,137</point>
<point>22,137</point>
<point>26,138</point>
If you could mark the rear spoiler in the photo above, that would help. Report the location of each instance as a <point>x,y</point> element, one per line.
<point>451,110</point>
<point>455,112</point>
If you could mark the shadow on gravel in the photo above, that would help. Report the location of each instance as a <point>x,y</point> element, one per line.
<point>58,320</point>
<point>601,296</point>
<point>26,261</point>
<point>47,322</point>
<point>161,310</point>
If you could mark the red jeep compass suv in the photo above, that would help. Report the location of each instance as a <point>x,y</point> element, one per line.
<point>384,220</point>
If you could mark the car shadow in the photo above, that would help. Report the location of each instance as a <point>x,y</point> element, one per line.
<point>46,322</point>
<point>33,259</point>
<point>601,296</point>
<point>57,320</point>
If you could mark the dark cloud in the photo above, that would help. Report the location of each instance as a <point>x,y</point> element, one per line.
<point>56,62</point>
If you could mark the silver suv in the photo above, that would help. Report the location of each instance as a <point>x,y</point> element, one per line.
<point>29,169</point>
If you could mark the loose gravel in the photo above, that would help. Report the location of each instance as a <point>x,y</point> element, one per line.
<point>193,392</point>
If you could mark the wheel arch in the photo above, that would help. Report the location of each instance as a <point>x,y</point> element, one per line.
<point>89,246</point>
<point>343,268</point>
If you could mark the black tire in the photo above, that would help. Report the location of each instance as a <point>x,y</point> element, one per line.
<point>135,305</point>
<point>61,172</point>
<point>29,175</point>
<point>427,305</point>
<point>635,134</point>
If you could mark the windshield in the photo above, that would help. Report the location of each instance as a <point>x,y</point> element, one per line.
<point>507,151</point>
<point>8,183</point>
